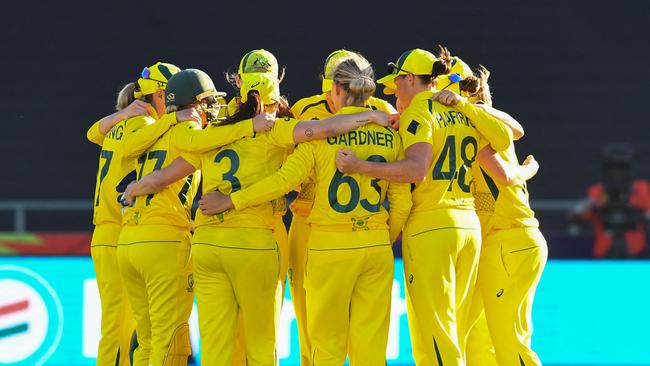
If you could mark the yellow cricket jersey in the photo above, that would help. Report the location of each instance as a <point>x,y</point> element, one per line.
<point>483,195</point>
<point>232,107</point>
<point>342,203</point>
<point>454,136</point>
<point>316,108</point>
<point>511,207</point>
<point>239,165</point>
<point>171,206</point>
<point>114,166</point>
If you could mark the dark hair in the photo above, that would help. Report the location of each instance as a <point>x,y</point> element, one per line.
<point>440,67</point>
<point>470,85</point>
<point>254,106</point>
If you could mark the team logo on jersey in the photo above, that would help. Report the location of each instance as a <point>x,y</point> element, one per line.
<point>411,279</point>
<point>31,317</point>
<point>360,223</point>
<point>413,127</point>
<point>499,293</point>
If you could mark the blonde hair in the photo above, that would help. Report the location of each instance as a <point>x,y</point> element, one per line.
<point>125,96</point>
<point>483,94</point>
<point>356,77</point>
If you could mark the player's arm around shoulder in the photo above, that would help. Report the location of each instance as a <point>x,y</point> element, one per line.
<point>492,128</point>
<point>382,105</point>
<point>215,136</point>
<point>295,169</point>
<point>399,198</point>
<point>141,132</point>
<point>99,129</point>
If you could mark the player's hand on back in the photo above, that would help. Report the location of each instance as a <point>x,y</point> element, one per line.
<point>394,121</point>
<point>137,108</point>
<point>347,161</point>
<point>189,114</point>
<point>446,97</point>
<point>263,122</point>
<point>128,197</point>
<point>380,118</point>
<point>212,203</point>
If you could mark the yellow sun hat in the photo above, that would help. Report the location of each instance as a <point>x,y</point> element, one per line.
<point>154,77</point>
<point>266,85</point>
<point>416,62</point>
<point>333,60</point>
<point>258,62</point>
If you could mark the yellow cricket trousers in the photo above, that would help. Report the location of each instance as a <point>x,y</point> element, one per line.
<point>280,236</point>
<point>117,319</point>
<point>348,300</point>
<point>511,266</point>
<point>480,350</point>
<point>440,269</point>
<point>237,272</point>
<point>298,239</point>
<point>159,281</point>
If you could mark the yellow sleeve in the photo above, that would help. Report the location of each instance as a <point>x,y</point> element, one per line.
<point>143,134</point>
<point>399,198</point>
<point>282,132</point>
<point>415,127</point>
<point>496,132</point>
<point>400,202</point>
<point>95,135</point>
<point>181,133</point>
<point>214,136</point>
<point>382,105</point>
<point>223,111</point>
<point>295,170</point>
<point>232,107</point>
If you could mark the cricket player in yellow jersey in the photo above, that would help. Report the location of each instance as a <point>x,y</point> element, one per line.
<point>263,62</point>
<point>154,245</point>
<point>110,133</point>
<point>258,61</point>
<point>229,247</point>
<point>348,275</point>
<point>480,349</point>
<point>315,107</point>
<point>514,251</point>
<point>441,239</point>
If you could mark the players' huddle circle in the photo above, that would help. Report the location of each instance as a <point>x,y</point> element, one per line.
<point>440,170</point>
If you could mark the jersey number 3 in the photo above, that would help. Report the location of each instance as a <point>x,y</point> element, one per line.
<point>234,166</point>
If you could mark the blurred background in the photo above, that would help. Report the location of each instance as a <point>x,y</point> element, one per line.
<point>571,72</point>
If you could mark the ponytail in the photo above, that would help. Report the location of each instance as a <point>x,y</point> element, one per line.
<point>250,109</point>
<point>444,63</point>
<point>356,77</point>
<point>470,85</point>
<point>440,67</point>
<point>125,96</point>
